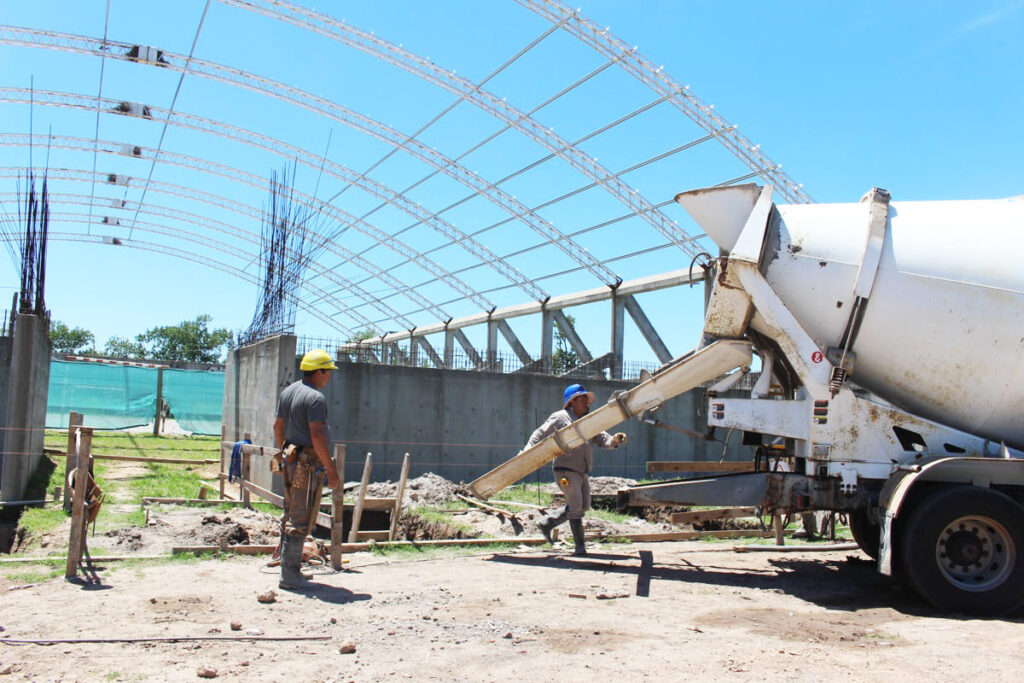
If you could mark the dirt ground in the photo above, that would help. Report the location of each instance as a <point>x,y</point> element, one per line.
<point>660,611</point>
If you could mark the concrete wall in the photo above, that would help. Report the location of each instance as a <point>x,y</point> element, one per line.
<point>253,379</point>
<point>461,424</point>
<point>455,423</point>
<point>27,384</point>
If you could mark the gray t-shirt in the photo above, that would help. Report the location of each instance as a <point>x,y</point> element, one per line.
<point>299,405</point>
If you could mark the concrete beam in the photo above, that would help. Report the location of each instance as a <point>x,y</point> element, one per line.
<point>460,337</point>
<point>513,341</point>
<point>421,342</point>
<point>647,330</point>
<point>640,285</point>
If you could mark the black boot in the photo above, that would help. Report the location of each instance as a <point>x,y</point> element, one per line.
<point>548,522</point>
<point>291,563</point>
<point>577,537</point>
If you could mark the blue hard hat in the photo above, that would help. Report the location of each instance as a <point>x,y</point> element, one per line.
<point>574,390</point>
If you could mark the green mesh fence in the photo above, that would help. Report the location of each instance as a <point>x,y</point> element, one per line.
<point>119,396</point>
<point>196,399</point>
<point>109,396</point>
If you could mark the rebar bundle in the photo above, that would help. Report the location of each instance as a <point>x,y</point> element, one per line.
<point>29,232</point>
<point>283,260</point>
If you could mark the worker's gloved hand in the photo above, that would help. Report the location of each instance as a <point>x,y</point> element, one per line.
<point>620,439</point>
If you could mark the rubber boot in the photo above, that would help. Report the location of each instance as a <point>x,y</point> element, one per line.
<point>577,537</point>
<point>291,563</point>
<point>548,522</point>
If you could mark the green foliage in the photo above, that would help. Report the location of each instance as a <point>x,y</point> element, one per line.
<point>525,493</point>
<point>189,340</point>
<point>73,340</point>
<point>563,359</point>
<point>117,347</point>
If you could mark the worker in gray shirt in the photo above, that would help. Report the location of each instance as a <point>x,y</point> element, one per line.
<point>572,469</point>
<point>302,434</point>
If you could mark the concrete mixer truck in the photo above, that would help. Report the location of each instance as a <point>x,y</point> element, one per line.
<point>890,337</point>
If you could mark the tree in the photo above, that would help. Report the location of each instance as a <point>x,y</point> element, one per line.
<point>564,358</point>
<point>189,340</point>
<point>73,340</point>
<point>117,347</point>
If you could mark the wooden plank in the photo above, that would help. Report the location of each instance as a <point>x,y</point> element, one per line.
<point>396,512</point>
<point>693,535</point>
<point>808,548</point>
<point>361,547</point>
<point>189,501</point>
<point>382,535</point>
<point>263,493</point>
<point>338,508</point>
<point>357,512</point>
<point>74,422</point>
<point>518,504</point>
<point>78,521</point>
<point>94,558</point>
<point>143,458</point>
<point>698,466</point>
<point>697,516</point>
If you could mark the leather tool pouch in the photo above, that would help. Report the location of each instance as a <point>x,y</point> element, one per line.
<point>300,479</point>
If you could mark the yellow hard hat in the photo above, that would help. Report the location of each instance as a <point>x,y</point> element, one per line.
<point>317,359</point>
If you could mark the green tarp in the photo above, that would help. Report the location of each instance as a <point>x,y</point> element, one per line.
<point>117,396</point>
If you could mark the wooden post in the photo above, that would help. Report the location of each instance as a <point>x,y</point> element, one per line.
<point>243,492</point>
<point>159,401</point>
<point>223,475</point>
<point>338,508</point>
<point>396,512</point>
<point>70,462</point>
<point>779,532</point>
<point>357,513</point>
<point>77,540</point>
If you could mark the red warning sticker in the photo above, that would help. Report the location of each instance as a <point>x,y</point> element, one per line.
<point>817,357</point>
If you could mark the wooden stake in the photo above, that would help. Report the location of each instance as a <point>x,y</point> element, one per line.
<point>246,466</point>
<point>74,422</point>
<point>779,532</point>
<point>77,541</point>
<point>357,513</point>
<point>399,495</point>
<point>338,508</point>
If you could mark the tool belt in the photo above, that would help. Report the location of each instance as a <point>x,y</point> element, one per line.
<point>289,454</point>
<point>298,466</point>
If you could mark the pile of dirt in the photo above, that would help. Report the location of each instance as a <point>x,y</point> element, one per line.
<point>428,489</point>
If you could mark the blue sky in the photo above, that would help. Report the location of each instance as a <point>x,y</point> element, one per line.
<point>922,99</point>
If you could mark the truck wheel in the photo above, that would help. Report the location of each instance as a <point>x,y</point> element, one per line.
<point>865,533</point>
<point>961,548</point>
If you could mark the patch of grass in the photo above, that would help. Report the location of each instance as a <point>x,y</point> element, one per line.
<point>39,520</point>
<point>610,515</point>
<point>525,493</point>
<point>435,516</point>
<point>34,576</point>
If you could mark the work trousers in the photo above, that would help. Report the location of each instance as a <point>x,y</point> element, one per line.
<point>302,493</point>
<point>576,489</point>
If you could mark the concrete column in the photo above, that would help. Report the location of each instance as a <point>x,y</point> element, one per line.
<point>492,344</point>
<point>547,336</point>
<point>449,348</point>
<point>618,335</point>
<point>27,390</point>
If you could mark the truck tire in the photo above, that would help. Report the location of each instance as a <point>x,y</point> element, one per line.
<point>961,550</point>
<point>865,533</point>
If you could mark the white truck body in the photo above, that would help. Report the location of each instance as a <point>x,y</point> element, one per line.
<point>891,339</point>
